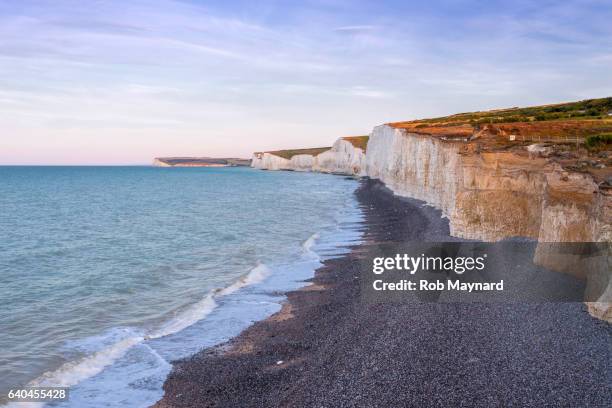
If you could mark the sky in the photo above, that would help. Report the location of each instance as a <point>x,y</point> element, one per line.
<point>120,82</point>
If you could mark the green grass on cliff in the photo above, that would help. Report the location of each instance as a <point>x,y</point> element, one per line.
<point>288,154</point>
<point>360,142</point>
<point>586,109</point>
<point>357,141</point>
<point>564,122</point>
<point>599,142</point>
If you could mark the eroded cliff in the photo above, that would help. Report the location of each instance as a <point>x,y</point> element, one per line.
<point>344,157</point>
<point>491,195</point>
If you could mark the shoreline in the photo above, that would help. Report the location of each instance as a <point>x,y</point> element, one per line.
<point>327,348</point>
<point>226,294</point>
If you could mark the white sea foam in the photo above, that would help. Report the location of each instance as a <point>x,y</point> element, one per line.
<point>307,247</point>
<point>73,372</point>
<point>256,275</point>
<point>186,318</point>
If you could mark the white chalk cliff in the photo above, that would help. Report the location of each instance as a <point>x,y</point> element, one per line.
<point>494,195</point>
<point>342,158</point>
<point>269,161</point>
<point>490,195</point>
<point>485,195</point>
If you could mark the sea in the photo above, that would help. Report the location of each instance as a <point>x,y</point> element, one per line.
<point>108,274</point>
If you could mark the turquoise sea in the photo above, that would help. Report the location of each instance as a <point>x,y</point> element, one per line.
<point>109,273</point>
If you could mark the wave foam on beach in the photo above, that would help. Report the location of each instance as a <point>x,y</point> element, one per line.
<point>73,372</point>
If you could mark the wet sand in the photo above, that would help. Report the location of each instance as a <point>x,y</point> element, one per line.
<point>326,348</point>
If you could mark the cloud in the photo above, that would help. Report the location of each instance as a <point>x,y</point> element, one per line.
<point>356,28</point>
<point>219,68</point>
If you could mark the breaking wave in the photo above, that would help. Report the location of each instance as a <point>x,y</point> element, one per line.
<point>73,372</point>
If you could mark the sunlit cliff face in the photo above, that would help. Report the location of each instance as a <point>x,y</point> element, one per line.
<point>491,195</point>
<point>343,158</point>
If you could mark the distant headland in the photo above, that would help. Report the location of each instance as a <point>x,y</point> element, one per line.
<point>199,162</point>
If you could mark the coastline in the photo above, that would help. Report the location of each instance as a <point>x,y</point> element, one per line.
<point>229,273</point>
<point>327,348</point>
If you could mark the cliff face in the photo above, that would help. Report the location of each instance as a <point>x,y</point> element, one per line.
<point>490,195</point>
<point>268,161</point>
<point>494,195</point>
<point>417,166</point>
<point>341,158</point>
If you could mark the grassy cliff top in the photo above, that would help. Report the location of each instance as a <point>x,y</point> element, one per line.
<point>588,109</point>
<point>360,142</point>
<point>559,121</point>
<point>288,154</point>
<point>357,141</point>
